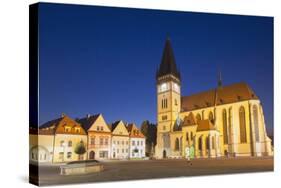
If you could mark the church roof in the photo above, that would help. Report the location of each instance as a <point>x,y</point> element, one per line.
<point>222,95</point>
<point>205,125</point>
<point>168,63</point>
<point>189,120</point>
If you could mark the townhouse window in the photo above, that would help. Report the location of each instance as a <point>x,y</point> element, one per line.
<point>106,141</point>
<point>62,143</point>
<point>92,140</point>
<point>122,142</point>
<point>138,143</point>
<point>69,143</point>
<point>102,154</point>
<point>122,150</point>
<point>61,155</point>
<point>133,142</point>
<point>118,142</point>
<point>127,142</point>
<point>117,150</point>
<point>101,141</point>
<point>127,150</point>
<point>69,154</point>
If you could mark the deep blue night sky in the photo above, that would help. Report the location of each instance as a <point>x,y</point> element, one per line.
<point>103,60</point>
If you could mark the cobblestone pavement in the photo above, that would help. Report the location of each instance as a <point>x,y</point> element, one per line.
<point>135,170</point>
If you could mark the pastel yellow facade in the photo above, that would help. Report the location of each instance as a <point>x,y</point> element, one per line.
<point>57,141</point>
<point>64,147</point>
<point>41,148</point>
<point>99,137</point>
<point>224,121</point>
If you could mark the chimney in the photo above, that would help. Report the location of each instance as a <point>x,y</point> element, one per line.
<point>88,115</point>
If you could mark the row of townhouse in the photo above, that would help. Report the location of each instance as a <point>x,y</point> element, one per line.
<point>65,139</point>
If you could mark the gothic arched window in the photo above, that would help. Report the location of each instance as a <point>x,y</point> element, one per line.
<point>256,122</point>
<point>211,117</point>
<point>207,143</point>
<point>177,144</point>
<point>200,143</point>
<point>198,118</point>
<point>242,121</point>
<point>224,122</point>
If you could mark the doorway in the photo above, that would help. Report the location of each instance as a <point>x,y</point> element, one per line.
<point>164,154</point>
<point>92,155</point>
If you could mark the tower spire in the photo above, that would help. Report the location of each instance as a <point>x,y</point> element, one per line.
<point>168,63</point>
<point>219,79</point>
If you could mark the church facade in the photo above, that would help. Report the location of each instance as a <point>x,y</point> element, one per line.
<point>226,121</point>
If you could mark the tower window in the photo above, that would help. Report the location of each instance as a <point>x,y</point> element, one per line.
<point>164,103</point>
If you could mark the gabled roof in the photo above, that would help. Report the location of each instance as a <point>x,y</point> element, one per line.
<point>134,131</point>
<point>56,126</point>
<point>168,63</point>
<point>88,121</point>
<point>119,125</point>
<point>114,125</point>
<point>189,120</point>
<point>222,95</point>
<point>205,125</point>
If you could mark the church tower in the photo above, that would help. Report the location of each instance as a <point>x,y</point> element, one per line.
<point>168,99</point>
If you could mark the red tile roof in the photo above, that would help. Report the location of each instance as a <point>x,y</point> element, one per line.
<point>223,95</point>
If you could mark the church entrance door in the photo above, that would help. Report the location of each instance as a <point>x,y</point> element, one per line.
<point>164,154</point>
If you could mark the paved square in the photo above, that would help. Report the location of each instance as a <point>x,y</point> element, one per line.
<point>134,170</point>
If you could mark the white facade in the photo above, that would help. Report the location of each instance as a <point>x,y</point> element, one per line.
<point>137,147</point>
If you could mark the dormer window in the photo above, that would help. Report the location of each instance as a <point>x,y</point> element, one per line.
<point>101,128</point>
<point>77,130</point>
<point>239,97</point>
<point>67,129</point>
<point>98,128</point>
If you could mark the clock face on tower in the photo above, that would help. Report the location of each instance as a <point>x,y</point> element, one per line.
<point>176,87</point>
<point>163,87</point>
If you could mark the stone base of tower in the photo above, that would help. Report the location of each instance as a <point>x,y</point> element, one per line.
<point>162,153</point>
